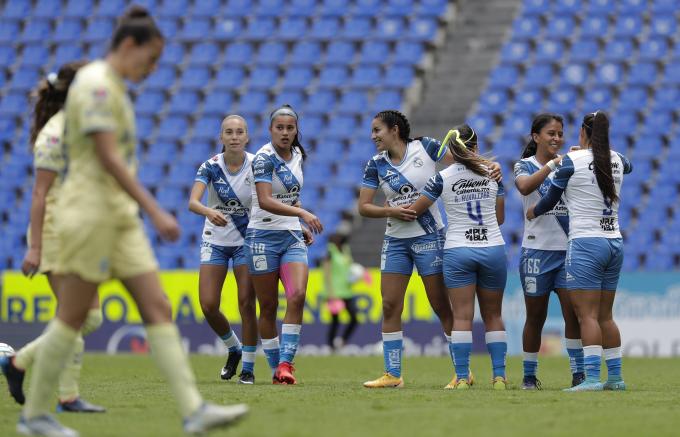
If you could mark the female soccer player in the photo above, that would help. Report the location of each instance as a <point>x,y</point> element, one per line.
<point>544,247</point>
<point>228,177</point>
<point>336,272</point>
<point>590,180</point>
<point>101,235</point>
<point>401,168</point>
<point>474,252</point>
<point>50,164</point>
<point>276,245</point>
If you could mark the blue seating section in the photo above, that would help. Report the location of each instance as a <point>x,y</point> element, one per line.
<point>337,61</point>
<point>577,56</point>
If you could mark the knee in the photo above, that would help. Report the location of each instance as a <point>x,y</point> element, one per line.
<point>246,306</point>
<point>210,307</point>
<point>296,298</point>
<point>392,309</point>
<point>268,308</point>
<point>93,321</point>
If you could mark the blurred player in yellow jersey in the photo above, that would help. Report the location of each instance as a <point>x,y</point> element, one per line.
<point>49,162</point>
<point>101,235</point>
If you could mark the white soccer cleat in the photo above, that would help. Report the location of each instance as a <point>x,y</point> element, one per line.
<point>210,416</point>
<point>45,425</point>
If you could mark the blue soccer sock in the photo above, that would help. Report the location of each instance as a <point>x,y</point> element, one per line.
<point>290,338</point>
<point>393,343</point>
<point>575,351</point>
<point>231,341</point>
<point>270,346</point>
<point>497,345</point>
<point>248,359</point>
<point>462,347</point>
<point>450,345</point>
<point>612,357</point>
<point>592,360</point>
<point>530,363</point>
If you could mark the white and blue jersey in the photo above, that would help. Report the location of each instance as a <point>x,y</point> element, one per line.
<point>403,182</point>
<point>474,251</point>
<point>286,180</point>
<point>229,193</point>
<point>595,249</point>
<point>544,244</point>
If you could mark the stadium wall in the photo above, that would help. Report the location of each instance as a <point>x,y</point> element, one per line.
<point>647,310</point>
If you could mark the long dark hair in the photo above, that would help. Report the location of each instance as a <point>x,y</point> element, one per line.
<point>393,118</point>
<point>138,23</point>
<point>539,123</point>
<point>51,95</point>
<point>462,141</point>
<point>596,128</point>
<point>290,111</point>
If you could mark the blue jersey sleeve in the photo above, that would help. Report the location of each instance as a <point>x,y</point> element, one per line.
<point>434,187</point>
<point>627,165</point>
<point>522,168</point>
<point>564,172</point>
<point>434,148</point>
<point>371,175</point>
<point>203,174</point>
<point>548,201</point>
<point>263,168</point>
<point>501,190</point>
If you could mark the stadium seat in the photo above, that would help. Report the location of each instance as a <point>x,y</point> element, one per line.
<point>258,28</point>
<point>352,102</point>
<point>252,103</point>
<point>653,48</point>
<point>385,99</point>
<point>494,100</point>
<point>672,73</point>
<point>356,28</point>
<point>530,100</point>
<point>305,53</point>
<point>195,30</point>
<point>168,26</point>
<point>229,77</point>
<point>112,8</point>
<point>597,98</point>
<point>144,127</point>
<point>628,25</point>
<point>632,6</point>
<point>539,75</point>
<point>594,26</point>
<point>333,77</point>
<point>365,77</point>
<point>173,8</point>
<point>550,50</point>
<point>525,27</point>
<point>149,103</point>
<point>320,102</point>
<point>301,8</point>
<point>643,73</point>
<point>66,53</point>
<point>226,29</point>
<point>390,28</point>
<point>335,8</point>
<point>195,77</point>
<point>325,28</point>
<point>408,52</point>
<point>433,8</point>
<point>78,8</point>
<point>398,76</point>
<point>422,29</point>
<point>609,73</point>
<point>184,103</point>
<point>172,128</point>
<point>575,74</point>
<point>339,52</point>
<point>664,25</point>
<point>292,28</point>
<point>24,79</point>
<point>239,53</point>
<point>618,49</point>
<point>99,29</point>
<point>515,52</point>
<point>271,53</point>
<point>35,31</point>
<point>292,98</point>
<point>503,76</point>
<point>263,78</point>
<point>238,8</point>
<point>633,96</point>
<point>34,55</point>
<point>206,128</point>
<point>297,78</point>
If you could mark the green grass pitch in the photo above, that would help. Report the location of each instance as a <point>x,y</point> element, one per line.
<point>329,400</point>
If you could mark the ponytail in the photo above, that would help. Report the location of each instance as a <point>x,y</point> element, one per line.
<point>51,95</point>
<point>537,125</point>
<point>596,127</point>
<point>462,141</point>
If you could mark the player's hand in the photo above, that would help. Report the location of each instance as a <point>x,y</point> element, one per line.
<point>530,213</point>
<point>166,225</point>
<point>311,221</point>
<point>402,213</point>
<point>308,236</point>
<point>216,218</point>
<point>495,172</point>
<point>31,263</point>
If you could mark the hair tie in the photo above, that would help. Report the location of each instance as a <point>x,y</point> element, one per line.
<point>52,79</point>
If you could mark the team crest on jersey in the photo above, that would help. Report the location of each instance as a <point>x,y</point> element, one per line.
<point>406,189</point>
<point>389,173</point>
<point>417,163</point>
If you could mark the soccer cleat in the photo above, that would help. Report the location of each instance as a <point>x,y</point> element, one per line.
<point>229,369</point>
<point>530,382</point>
<point>210,416</point>
<point>499,383</point>
<point>45,425</point>
<point>614,386</point>
<point>284,374</point>
<point>586,386</point>
<point>577,378</point>
<point>246,378</point>
<point>15,379</point>
<point>454,382</point>
<point>79,406</point>
<point>385,381</point>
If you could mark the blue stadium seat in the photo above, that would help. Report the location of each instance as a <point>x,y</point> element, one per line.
<point>7,56</point>
<point>17,9</point>
<point>195,77</point>
<point>374,52</point>
<point>305,53</point>
<point>390,28</point>
<point>666,98</point>
<point>239,53</point>
<point>664,25</point>
<point>525,27</point>
<point>292,29</point>
<point>98,29</point>
<point>149,103</point>
<point>561,26</point>
<point>482,124</point>
<point>515,52</point>
<point>503,76</point>
<point>252,103</point>
<point>352,102</point>
<point>575,74</point>
<point>301,8</point>
<point>292,98</point>
<point>271,53</point>
<point>356,28</point>
<point>402,8</point>
<point>337,8</point>
<point>229,77</point>
<point>549,50</point>
<point>78,8</point>
<point>97,50</point>
<point>184,103</point>
<point>628,25</point>
<point>205,8</point>
<point>226,29</point>
<point>34,55</point>
<point>68,30</point>
<point>205,129</point>
<point>238,8</point>
<point>269,8</point>
<point>47,9</point>
<point>325,28</point>
<point>111,8</point>
<point>144,127</point>
<point>529,99</point>
<point>399,76</point>
<point>387,99</point>
<point>632,6</point>
<point>494,100</point>
<point>664,6</point>
<point>633,96</point>
<point>367,8</point>
<point>643,73</point>
<point>173,8</point>
<point>597,98</point>
<point>594,26</point>
<point>653,49</point>
<point>203,53</point>
<point>539,75</point>
<point>624,122</point>
<point>66,53</point>
<point>9,29</point>
<point>172,128</point>
<point>320,102</point>
<point>162,78</point>
<point>600,7</point>
<point>297,78</point>
<point>672,73</point>
<point>195,29</point>
<point>339,53</point>
<point>168,26</point>
<point>516,123</point>
<point>434,8</point>
<point>258,28</point>
<point>311,124</point>
<point>173,54</point>
<point>263,78</point>
<point>535,7</point>
<point>36,31</point>
<point>569,7</point>
<point>422,29</point>
<point>24,79</point>
<point>365,77</point>
<point>563,99</point>
<point>618,49</point>
<point>408,52</point>
<point>609,73</point>
<point>333,77</point>
<point>584,50</point>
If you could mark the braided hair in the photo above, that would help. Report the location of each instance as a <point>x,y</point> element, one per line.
<point>393,118</point>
